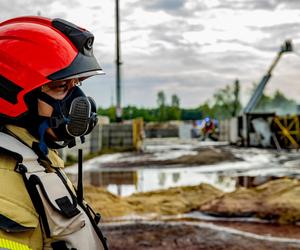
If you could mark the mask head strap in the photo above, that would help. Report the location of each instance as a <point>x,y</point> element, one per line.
<point>42,130</point>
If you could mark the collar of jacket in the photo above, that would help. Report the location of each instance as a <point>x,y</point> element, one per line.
<point>24,136</point>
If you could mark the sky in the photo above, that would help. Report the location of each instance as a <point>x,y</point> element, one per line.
<point>190,48</point>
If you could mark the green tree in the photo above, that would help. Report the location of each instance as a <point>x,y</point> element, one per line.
<point>175,101</point>
<point>110,112</point>
<point>226,101</point>
<point>206,110</point>
<point>161,101</point>
<point>174,112</point>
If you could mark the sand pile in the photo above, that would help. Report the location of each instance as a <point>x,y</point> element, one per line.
<point>277,200</point>
<point>162,202</point>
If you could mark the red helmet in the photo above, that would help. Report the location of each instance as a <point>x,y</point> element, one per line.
<point>37,50</point>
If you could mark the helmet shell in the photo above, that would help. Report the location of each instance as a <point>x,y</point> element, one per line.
<point>37,50</point>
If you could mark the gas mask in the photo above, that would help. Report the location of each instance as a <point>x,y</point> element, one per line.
<point>74,116</point>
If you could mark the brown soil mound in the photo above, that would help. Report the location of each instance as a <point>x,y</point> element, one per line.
<point>172,201</point>
<point>278,200</point>
<point>108,204</point>
<point>162,202</point>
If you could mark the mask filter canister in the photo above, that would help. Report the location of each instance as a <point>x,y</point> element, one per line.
<point>79,117</point>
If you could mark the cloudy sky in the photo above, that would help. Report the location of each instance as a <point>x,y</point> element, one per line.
<point>190,48</point>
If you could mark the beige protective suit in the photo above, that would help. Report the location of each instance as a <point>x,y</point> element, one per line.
<point>15,202</point>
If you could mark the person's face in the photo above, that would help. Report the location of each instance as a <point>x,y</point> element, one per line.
<point>57,90</point>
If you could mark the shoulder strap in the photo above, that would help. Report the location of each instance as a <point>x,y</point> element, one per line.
<point>22,153</point>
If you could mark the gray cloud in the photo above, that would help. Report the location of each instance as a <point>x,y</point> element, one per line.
<point>176,65</point>
<point>248,4</point>
<point>258,4</point>
<point>173,7</point>
<point>166,5</point>
<point>187,69</point>
<point>291,4</point>
<point>14,8</point>
<point>275,35</point>
<point>171,32</point>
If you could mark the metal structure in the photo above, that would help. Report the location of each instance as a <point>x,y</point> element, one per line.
<point>286,47</point>
<point>118,67</point>
<point>287,131</point>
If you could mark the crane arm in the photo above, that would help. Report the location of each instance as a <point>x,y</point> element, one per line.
<point>286,47</point>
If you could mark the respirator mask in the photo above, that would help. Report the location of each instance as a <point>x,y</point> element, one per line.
<point>73,116</point>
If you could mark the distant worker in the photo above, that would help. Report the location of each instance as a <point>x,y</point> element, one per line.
<point>208,129</point>
<point>42,108</point>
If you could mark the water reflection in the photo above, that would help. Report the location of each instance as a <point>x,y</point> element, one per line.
<point>126,182</point>
<point>130,181</point>
<point>175,177</point>
<point>162,179</point>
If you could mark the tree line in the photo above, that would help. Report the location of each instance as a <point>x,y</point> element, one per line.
<point>225,103</point>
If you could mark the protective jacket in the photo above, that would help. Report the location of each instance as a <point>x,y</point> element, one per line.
<point>38,205</point>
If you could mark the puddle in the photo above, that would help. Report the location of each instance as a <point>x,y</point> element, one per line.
<point>255,167</point>
<point>128,182</point>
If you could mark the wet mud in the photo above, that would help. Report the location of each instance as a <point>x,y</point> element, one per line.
<point>263,211</point>
<point>275,204</point>
<point>202,156</point>
<point>169,236</point>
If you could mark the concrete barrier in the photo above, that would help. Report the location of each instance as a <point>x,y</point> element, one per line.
<point>114,136</point>
<point>117,136</point>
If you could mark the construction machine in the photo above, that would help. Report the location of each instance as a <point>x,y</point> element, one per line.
<point>247,132</point>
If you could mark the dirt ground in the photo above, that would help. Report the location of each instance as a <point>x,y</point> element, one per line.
<point>207,155</point>
<point>139,221</point>
<point>169,236</point>
<point>276,202</point>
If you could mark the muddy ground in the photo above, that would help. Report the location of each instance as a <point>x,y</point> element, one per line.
<point>275,206</point>
<point>261,217</point>
<point>208,155</point>
<point>169,236</point>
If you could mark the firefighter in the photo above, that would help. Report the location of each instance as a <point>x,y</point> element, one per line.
<point>42,108</point>
<point>208,129</point>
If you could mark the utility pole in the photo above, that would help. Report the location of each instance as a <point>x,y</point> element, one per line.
<point>118,67</point>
